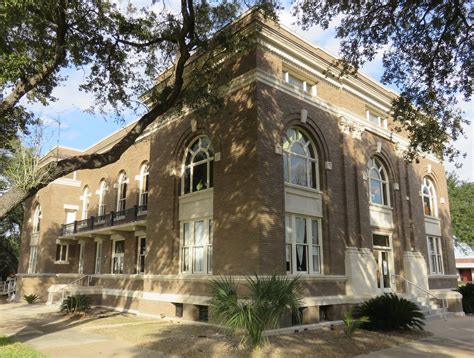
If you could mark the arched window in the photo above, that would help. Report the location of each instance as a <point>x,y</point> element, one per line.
<point>300,160</point>
<point>198,166</point>
<point>102,191</point>
<point>37,219</point>
<point>85,202</point>
<point>122,192</point>
<point>143,198</point>
<point>378,182</point>
<point>429,197</point>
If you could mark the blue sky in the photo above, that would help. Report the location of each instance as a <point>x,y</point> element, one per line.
<point>79,129</point>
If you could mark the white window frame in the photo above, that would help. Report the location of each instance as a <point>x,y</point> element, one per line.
<point>102,192</point>
<point>119,256</point>
<point>33,259</point>
<point>376,164</point>
<point>291,245</point>
<point>210,158</point>
<point>85,202</point>
<point>64,248</point>
<point>122,185</point>
<point>431,196</point>
<point>144,177</point>
<point>37,216</point>
<point>435,253</point>
<point>308,146</point>
<point>289,79</point>
<point>381,122</point>
<point>188,252</point>
<point>82,246</point>
<point>140,255</point>
<point>98,257</point>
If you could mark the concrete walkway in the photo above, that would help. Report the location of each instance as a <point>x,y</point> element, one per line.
<point>42,328</point>
<point>451,338</point>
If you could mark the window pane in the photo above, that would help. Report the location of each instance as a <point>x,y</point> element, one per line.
<point>187,180</point>
<point>312,175</point>
<point>301,231</point>
<point>314,232</point>
<point>209,258</point>
<point>301,258</point>
<point>380,240</point>
<point>298,170</point>
<point>211,174</point>
<point>186,235</point>
<point>185,259</point>
<point>385,194</point>
<point>58,252</point>
<point>201,155</point>
<point>433,263</point>
<point>200,177</point>
<point>63,252</point>
<point>298,148</point>
<point>289,266</point>
<point>286,167</point>
<point>440,264</point>
<point>430,245</point>
<point>142,246</point>
<point>427,206</point>
<point>375,191</point>
<point>119,247</point>
<point>199,233</point>
<point>316,260</point>
<point>198,259</point>
<point>211,231</point>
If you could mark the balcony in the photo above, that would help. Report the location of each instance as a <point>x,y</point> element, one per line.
<point>124,218</point>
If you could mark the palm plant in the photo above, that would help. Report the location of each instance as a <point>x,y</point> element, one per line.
<point>269,298</point>
<point>391,312</point>
<point>467,292</point>
<point>74,304</point>
<point>32,298</point>
<point>351,324</point>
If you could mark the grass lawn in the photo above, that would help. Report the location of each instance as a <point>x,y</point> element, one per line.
<point>11,349</point>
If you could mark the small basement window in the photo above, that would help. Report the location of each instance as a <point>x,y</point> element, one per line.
<point>203,313</point>
<point>178,310</point>
<point>295,321</point>
<point>324,313</point>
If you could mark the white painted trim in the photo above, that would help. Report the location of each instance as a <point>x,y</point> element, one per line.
<point>71,207</point>
<point>67,182</point>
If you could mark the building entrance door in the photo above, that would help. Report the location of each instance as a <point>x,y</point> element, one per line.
<point>382,258</point>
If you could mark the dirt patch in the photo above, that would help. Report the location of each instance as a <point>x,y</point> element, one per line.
<point>182,339</point>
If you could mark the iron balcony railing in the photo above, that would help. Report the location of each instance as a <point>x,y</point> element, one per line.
<point>99,222</point>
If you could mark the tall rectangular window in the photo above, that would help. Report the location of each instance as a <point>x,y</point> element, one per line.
<point>118,253</point>
<point>196,246</point>
<point>141,255</point>
<point>98,257</point>
<point>33,259</point>
<point>435,255</point>
<point>62,253</point>
<point>303,245</point>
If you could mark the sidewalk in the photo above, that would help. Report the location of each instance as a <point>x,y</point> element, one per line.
<point>42,328</point>
<point>451,338</point>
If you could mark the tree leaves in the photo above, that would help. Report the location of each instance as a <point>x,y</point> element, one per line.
<point>427,51</point>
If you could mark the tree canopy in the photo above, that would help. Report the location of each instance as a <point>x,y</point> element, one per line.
<point>427,51</point>
<point>123,53</point>
<point>461,201</point>
<point>426,44</point>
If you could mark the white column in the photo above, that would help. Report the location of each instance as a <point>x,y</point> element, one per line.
<point>361,271</point>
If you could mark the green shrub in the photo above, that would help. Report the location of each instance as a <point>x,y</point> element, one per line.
<point>268,300</point>
<point>351,324</point>
<point>390,312</point>
<point>33,298</point>
<point>77,303</point>
<point>467,292</point>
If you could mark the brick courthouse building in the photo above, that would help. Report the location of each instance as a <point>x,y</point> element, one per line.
<point>298,174</point>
